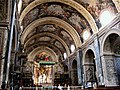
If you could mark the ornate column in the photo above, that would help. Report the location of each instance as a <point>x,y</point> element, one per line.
<point>8,49</point>
<point>3,41</point>
<point>98,61</point>
<point>79,66</point>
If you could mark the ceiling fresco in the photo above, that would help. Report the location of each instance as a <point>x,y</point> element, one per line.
<point>51,29</point>
<point>43,56</point>
<point>61,11</point>
<point>53,34</point>
<point>57,50</point>
<point>45,39</point>
<point>95,7</point>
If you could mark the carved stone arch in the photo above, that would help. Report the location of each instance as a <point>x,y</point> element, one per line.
<point>89,55</point>
<point>109,43</point>
<point>90,48</point>
<point>110,59</point>
<point>89,67</point>
<point>52,20</point>
<point>32,55</point>
<point>112,31</point>
<point>116,50</point>
<point>53,36</point>
<point>71,3</point>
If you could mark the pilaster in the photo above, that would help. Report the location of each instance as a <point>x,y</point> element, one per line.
<point>98,61</point>
<point>79,66</point>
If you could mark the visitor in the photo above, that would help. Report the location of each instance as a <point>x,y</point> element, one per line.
<point>59,87</point>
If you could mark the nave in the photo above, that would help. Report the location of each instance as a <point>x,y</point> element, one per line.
<point>46,44</point>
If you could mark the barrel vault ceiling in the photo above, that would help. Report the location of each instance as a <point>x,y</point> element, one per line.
<point>52,26</point>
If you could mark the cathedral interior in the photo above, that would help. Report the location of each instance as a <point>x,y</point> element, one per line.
<point>47,43</point>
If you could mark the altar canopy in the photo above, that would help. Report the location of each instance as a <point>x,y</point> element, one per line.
<point>47,63</point>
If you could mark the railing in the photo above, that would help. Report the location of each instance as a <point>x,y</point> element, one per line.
<point>52,88</point>
<point>68,88</point>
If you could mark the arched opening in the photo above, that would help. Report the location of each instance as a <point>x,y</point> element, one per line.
<point>74,74</point>
<point>111,57</point>
<point>90,69</point>
<point>116,50</point>
<point>66,75</point>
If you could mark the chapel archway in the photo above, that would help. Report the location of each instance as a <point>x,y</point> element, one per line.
<point>90,68</point>
<point>66,75</point>
<point>13,61</point>
<point>117,57</point>
<point>111,60</point>
<point>74,74</point>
